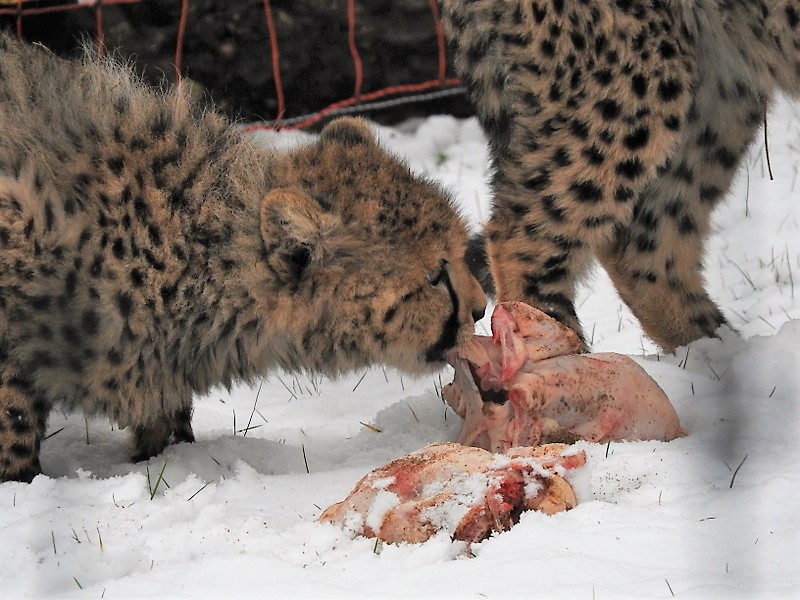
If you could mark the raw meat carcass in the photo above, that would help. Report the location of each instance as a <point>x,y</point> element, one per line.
<point>465,491</point>
<point>528,384</point>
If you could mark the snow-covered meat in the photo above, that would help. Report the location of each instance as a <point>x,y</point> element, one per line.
<point>466,492</point>
<point>526,385</point>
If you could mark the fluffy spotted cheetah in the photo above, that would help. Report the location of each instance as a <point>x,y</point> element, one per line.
<point>616,126</point>
<point>148,252</point>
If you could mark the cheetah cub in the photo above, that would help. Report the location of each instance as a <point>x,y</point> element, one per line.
<point>149,252</point>
<point>616,126</point>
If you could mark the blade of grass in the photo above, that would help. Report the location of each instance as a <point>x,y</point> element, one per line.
<point>255,404</point>
<point>359,381</point>
<point>736,472</point>
<point>305,458</point>
<point>159,480</point>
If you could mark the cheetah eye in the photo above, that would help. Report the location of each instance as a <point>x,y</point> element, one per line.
<point>436,277</point>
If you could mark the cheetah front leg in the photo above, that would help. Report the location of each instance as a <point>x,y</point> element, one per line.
<point>585,122</point>
<point>23,417</point>
<point>566,190</point>
<point>533,261</point>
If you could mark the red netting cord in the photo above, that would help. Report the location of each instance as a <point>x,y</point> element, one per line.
<point>276,60</point>
<point>19,20</point>
<point>332,108</point>
<point>351,41</point>
<point>20,12</point>
<point>98,16</point>
<point>439,40</point>
<point>441,82</point>
<point>180,40</point>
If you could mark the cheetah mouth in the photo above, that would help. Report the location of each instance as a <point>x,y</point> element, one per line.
<point>449,335</point>
<point>447,341</point>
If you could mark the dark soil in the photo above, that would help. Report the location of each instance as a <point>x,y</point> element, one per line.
<point>226,52</point>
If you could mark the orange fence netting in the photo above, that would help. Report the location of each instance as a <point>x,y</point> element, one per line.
<point>360,101</point>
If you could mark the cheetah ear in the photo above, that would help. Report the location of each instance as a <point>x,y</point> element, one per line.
<point>348,131</point>
<point>293,230</point>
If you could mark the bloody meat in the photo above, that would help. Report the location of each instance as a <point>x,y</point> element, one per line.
<point>464,491</point>
<point>528,383</point>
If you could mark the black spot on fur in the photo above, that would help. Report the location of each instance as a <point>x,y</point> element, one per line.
<point>608,108</point>
<point>90,322</point>
<point>587,191</point>
<point>639,85</point>
<point>21,450</point>
<point>114,357</point>
<point>594,155</point>
<point>118,249</point>
<point>726,158</point>
<point>137,278</point>
<point>603,76</point>
<point>631,168</point>
<point>40,303</point>
<point>709,193</point>
<point>538,182</point>
<point>168,293</point>
<point>154,234</point>
<point>124,304</point>
<point>792,18</point>
<point>71,335</point>
<point>580,129</point>
<point>116,164</point>
<point>49,218</point>
<point>669,90</point>
<point>159,124</point>
<point>672,123</point>
<point>70,283</point>
<point>637,139</point>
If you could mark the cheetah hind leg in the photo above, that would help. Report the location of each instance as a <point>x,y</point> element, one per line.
<point>664,287</point>
<point>151,439</point>
<point>23,418</point>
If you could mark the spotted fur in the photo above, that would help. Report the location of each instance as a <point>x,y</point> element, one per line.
<point>616,126</point>
<point>148,252</point>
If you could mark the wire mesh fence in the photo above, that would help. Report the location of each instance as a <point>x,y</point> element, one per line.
<point>350,51</point>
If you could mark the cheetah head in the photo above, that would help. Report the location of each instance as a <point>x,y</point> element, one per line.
<point>369,259</point>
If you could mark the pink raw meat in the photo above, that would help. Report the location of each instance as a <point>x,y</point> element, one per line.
<point>466,492</point>
<point>526,385</point>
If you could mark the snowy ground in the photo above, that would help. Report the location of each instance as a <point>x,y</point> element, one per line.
<point>712,515</point>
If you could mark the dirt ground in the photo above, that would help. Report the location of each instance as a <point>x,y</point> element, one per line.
<point>227,56</point>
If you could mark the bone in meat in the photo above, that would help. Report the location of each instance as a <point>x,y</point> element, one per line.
<point>518,398</point>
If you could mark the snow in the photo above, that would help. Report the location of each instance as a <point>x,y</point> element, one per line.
<point>462,493</point>
<point>711,515</point>
<point>382,503</point>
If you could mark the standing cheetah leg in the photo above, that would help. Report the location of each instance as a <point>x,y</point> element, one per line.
<point>573,184</point>
<point>656,262</point>
<point>656,268</point>
<point>582,105</point>
<point>531,264</point>
<point>23,417</point>
<point>151,439</point>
